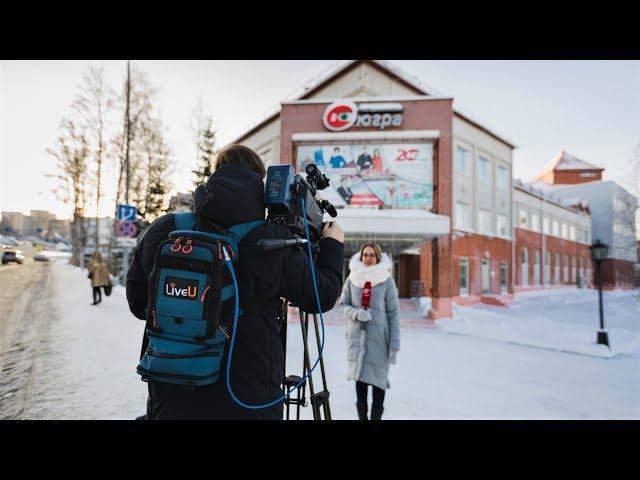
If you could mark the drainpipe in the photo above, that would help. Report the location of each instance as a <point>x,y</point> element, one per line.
<point>544,245</point>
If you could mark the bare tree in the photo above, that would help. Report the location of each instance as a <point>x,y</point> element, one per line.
<point>141,97</point>
<point>72,153</point>
<point>92,104</point>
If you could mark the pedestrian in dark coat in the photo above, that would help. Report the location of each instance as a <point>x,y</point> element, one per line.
<point>235,194</point>
<point>373,331</point>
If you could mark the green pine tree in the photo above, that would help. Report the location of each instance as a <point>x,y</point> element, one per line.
<point>207,151</point>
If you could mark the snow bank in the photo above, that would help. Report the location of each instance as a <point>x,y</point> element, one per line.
<point>569,323</point>
<point>424,305</point>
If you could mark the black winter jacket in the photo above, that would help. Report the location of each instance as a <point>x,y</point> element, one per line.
<point>234,194</point>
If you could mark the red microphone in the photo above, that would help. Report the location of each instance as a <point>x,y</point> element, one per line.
<point>366,295</point>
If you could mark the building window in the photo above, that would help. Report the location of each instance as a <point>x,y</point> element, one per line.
<point>463,162</point>
<point>535,222</point>
<point>572,233</point>
<point>555,228</point>
<point>484,169</point>
<point>463,216</point>
<point>504,276</point>
<point>502,226</point>
<point>524,266</point>
<point>484,222</point>
<point>523,217</point>
<point>502,178</point>
<point>564,231</point>
<point>545,225</point>
<point>464,276</point>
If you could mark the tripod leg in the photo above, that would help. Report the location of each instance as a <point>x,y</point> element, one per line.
<point>325,403</point>
<point>304,323</point>
<point>283,339</point>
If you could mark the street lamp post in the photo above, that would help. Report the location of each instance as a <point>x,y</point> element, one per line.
<point>599,252</point>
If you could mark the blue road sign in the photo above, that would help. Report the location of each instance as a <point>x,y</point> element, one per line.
<point>127,213</point>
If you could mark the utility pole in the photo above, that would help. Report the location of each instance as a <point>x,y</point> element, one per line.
<point>128,133</point>
<point>126,251</point>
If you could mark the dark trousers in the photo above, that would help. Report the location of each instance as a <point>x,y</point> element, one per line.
<point>378,394</point>
<point>97,295</point>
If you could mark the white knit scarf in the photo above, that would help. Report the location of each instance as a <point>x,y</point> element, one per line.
<point>361,273</point>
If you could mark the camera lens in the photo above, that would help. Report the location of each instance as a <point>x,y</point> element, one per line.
<point>312,170</point>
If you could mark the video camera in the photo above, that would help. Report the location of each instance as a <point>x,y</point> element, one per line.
<point>283,191</point>
<point>286,196</point>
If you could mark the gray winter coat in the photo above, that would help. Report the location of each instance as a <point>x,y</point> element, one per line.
<point>368,343</point>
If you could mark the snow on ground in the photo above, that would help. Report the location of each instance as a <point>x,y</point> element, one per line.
<point>565,319</point>
<point>439,375</point>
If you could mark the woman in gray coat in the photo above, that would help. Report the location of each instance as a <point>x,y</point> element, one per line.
<point>370,304</point>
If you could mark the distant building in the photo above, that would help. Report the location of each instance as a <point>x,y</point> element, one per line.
<point>12,223</point>
<point>566,169</point>
<point>37,223</point>
<point>180,202</point>
<point>552,240</point>
<point>613,213</point>
<point>60,228</point>
<point>105,233</point>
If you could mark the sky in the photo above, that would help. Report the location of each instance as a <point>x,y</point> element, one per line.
<point>591,109</point>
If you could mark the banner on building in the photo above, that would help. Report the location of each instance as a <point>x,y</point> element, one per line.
<point>397,175</point>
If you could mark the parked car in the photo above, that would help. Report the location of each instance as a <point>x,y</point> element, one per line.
<point>12,256</point>
<point>41,257</point>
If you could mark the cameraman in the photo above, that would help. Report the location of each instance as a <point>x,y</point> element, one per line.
<point>235,194</point>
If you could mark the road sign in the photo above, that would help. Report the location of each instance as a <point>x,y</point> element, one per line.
<point>127,213</point>
<point>126,242</point>
<point>127,229</point>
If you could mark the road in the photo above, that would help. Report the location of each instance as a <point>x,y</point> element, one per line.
<point>25,313</point>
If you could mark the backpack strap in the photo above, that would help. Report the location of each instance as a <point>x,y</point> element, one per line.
<point>242,229</point>
<point>185,221</point>
<point>237,232</point>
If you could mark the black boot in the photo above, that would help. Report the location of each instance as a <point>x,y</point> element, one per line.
<point>362,411</point>
<point>376,413</point>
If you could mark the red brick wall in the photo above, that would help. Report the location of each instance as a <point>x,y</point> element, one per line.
<point>417,115</point>
<point>573,176</point>
<point>476,248</point>
<point>617,273</point>
<point>553,245</point>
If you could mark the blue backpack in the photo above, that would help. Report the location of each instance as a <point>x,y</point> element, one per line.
<point>188,288</point>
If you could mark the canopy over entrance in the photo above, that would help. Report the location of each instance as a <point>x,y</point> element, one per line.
<point>395,230</point>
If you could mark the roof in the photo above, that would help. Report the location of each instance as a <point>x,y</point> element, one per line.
<point>547,193</point>
<point>565,161</point>
<point>338,69</point>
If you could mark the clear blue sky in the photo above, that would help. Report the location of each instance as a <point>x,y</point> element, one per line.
<point>589,108</point>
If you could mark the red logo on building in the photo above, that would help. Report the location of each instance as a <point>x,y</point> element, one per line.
<point>409,155</point>
<point>340,115</point>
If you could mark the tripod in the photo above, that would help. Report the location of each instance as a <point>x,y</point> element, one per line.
<point>318,399</point>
